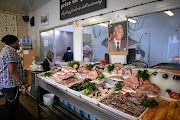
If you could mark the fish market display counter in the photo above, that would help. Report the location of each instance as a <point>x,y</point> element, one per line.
<point>92,109</point>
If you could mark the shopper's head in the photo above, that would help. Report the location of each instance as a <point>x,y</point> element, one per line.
<point>118,32</point>
<point>86,49</point>
<point>68,48</point>
<point>50,54</point>
<point>11,40</point>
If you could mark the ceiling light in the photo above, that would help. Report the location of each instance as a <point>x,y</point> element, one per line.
<point>169,13</point>
<point>131,20</point>
<point>103,24</point>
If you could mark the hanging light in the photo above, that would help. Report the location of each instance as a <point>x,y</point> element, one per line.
<point>103,24</point>
<point>169,13</point>
<point>131,20</point>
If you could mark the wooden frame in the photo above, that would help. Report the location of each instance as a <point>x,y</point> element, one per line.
<point>44,19</point>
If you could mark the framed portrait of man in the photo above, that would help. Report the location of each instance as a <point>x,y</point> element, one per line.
<point>118,38</point>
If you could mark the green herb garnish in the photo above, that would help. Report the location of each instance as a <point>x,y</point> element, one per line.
<point>118,86</point>
<point>89,87</point>
<point>149,103</point>
<point>100,76</point>
<point>87,92</point>
<point>89,66</point>
<point>47,74</point>
<point>72,64</point>
<point>143,74</point>
<point>110,67</point>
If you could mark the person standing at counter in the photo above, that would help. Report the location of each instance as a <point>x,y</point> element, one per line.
<point>48,62</point>
<point>88,54</point>
<point>68,56</point>
<point>11,74</point>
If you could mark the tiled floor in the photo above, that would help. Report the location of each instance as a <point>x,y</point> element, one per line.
<point>26,111</point>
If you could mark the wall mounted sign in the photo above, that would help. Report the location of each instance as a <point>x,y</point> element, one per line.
<point>76,24</point>
<point>72,8</point>
<point>8,25</point>
<point>45,43</point>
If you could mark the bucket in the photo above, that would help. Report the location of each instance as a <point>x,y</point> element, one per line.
<point>48,99</point>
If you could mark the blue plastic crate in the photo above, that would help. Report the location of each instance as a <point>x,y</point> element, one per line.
<point>66,103</point>
<point>72,107</point>
<point>61,100</point>
<point>86,115</point>
<point>78,111</point>
<point>92,118</point>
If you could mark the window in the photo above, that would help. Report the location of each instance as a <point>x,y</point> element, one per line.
<point>96,37</point>
<point>158,35</point>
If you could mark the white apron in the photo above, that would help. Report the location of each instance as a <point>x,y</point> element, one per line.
<point>86,59</point>
<point>51,64</point>
<point>138,57</point>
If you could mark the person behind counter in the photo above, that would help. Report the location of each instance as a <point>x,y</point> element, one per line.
<point>68,56</point>
<point>140,54</point>
<point>88,55</point>
<point>48,62</point>
<point>11,74</point>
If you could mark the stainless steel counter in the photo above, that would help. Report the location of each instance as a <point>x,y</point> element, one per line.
<point>90,108</point>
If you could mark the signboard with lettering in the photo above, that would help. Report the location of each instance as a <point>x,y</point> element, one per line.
<point>72,8</point>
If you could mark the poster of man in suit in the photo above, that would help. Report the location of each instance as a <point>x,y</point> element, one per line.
<point>118,38</point>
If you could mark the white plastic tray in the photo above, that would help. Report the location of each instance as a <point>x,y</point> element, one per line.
<point>65,87</point>
<point>95,101</point>
<point>62,87</point>
<point>88,98</point>
<point>77,93</point>
<point>47,80</point>
<point>118,112</point>
<point>73,92</point>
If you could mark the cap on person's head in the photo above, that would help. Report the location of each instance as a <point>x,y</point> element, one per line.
<point>50,52</point>
<point>9,39</point>
<point>86,48</point>
<point>138,45</point>
<point>68,48</point>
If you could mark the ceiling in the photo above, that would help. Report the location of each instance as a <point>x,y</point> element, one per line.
<point>21,6</point>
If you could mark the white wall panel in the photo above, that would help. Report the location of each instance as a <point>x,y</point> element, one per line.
<point>53,7</point>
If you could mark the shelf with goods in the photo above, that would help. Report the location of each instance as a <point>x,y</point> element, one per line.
<point>26,43</point>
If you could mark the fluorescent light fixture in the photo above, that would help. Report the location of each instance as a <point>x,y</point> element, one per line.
<point>103,24</point>
<point>131,20</point>
<point>57,32</point>
<point>169,13</point>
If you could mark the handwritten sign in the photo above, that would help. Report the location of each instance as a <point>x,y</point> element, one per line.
<point>72,8</point>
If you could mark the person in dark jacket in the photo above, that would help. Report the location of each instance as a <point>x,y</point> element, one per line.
<point>68,56</point>
<point>48,61</point>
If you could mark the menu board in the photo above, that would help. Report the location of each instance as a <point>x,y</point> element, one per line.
<point>72,8</point>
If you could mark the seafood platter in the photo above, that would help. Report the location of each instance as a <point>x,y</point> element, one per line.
<point>133,92</point>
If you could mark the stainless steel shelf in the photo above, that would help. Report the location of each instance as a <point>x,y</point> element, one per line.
<point>59,111</point>
<point>55,114</point>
